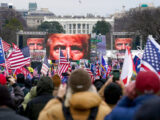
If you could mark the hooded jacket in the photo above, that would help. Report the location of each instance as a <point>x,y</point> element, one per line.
<point>126,108</point>
<point>44,94</point>
<point>80,106</point>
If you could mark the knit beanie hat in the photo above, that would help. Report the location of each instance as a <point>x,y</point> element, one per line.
<point>147,82</point>
<point>45,85</point>
<point>79,80</point>
<point>3,80</point>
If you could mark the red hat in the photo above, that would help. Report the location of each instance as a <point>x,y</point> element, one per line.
<point>3,80</point>
<point>147,82</point>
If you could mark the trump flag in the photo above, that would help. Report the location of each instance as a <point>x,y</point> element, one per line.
<point>2,57</point>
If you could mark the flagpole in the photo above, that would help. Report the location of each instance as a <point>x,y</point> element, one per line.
<point>100,57</point>
<point>4,57</point>
<point>68,55</point>
<point>59,54</point>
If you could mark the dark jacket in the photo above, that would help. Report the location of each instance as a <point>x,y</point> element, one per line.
<point>17,95</point>
<point>44,94</point>
<point>9,114</point>
<point>126,108</point>
<point>23,88</point>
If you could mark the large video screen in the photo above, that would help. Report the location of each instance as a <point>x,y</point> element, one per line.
<point>37,48</point>
<point>35,43</point>
<point>74,46</point>
<point>122,43</point>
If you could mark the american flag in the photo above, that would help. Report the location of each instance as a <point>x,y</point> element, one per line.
<point>97,71</point>
<point>63,65</point>
<point>45,66</point>
<point>17,59</point>
<point>108,71</point>
<point>26,54</point>
<point>90,73</point>
<point>6,46</point>
<point>151,56</point>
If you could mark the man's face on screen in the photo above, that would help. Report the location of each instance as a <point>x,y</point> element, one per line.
<point>121,44</point>
<point>35,43</point>
<point>67,44</point>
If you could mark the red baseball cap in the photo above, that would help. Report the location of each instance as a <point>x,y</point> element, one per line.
<point>147,82</point>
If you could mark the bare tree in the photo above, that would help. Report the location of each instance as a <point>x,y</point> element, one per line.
<point>10,22</point>
<point>145,21</point>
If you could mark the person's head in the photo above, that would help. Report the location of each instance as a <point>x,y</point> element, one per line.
<point>20,78</point>
<point>35,43</point>
<point>79,80</point>
<point>112,93</point>
<point>56,80</point>
<point>75,45</point>
<point>121,43</point>
<point>45,85</point>
<point>3,80</point>
<point>5,98</point>
<point>98,83</point>
<point>147,82</point>
<point>149,110</point>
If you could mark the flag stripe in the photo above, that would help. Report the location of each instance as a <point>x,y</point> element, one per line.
<point>17,59</point>
<point>45,66</point>
<point>6,46</point>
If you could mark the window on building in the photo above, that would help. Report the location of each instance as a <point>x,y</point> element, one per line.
<point>79,31</point>
<point>74,26</point>
<point>87,26</point>
<point>70,26</point>
<point>79,26</point>
<point>87,31</point>
<point>64,26</point>
<point>83,26</point>
<point>84,31</point>
<point>70,31</point>
<point>74,31</point>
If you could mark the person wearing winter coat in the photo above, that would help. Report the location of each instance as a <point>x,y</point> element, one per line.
<point>146,87</point>
<point>15,91</point>
<point>7,106</point>
<point>81,102</point>
<point>44,92</point>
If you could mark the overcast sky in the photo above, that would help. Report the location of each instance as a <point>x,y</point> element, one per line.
<point>82,7</point>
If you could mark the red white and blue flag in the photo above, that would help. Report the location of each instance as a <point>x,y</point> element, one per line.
<point>2,56</point>
<point>97,71</point>
<point>63,65</point>
<point>151,56</point>
<point>45,66</point>
<point>17,59</point>
<point>6,46</point>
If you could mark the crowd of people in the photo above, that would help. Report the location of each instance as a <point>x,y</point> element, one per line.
<point>47,98</point>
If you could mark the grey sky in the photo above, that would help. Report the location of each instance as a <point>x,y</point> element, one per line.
<point>82,7</point>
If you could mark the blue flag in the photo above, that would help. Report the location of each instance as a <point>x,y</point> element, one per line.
<point>137,63</point>
<point>2,57</point>
<point>103,64</point>
<point>26,51</point>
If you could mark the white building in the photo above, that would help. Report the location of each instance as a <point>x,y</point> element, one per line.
<point>71,24</point>
<point>78,24</point>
